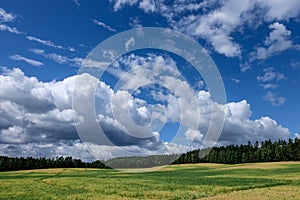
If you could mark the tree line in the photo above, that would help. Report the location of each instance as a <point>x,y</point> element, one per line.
<point>266,151</point>
<point>12,164</point>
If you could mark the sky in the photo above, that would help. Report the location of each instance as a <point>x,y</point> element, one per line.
<point>44,63</point>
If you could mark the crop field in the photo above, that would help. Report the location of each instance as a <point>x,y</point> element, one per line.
<point>191,181</point>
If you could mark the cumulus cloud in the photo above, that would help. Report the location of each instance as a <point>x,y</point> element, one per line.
<point>27,60</point>
<point>277,41</point>
<point>14,134</point>
<point>217,26</point>
<point>35,112</point>
<point>217,21</point>
<point>37,118</point>
<point>194,135</point>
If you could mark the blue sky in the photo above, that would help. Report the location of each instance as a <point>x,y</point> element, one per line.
<point>254,44</point>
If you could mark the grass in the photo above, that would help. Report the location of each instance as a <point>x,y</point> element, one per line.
<point>191,181</point>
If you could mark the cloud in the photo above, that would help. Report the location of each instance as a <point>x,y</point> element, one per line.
<point>148,6</point>
<point>267,82</point>
<point>135,22</point>
<point>277,41</point>
<point>37,119</point>
<point>12,135</point>
<point>194,135</point>
<point>75,61</point>
<point>99,23</point>
<point>270,75</point>
<point>129,43</point>
<point>8,17</point>
<point>279,10</point>
<point>60,59</point>
<point>239,128</point>
<point>217,21</point>
<point>35,112</point>
<point>119,4</point>
<point>216,26</point>
<point>179,104</point>
<point>274,99</point>
<point>4,27</point>
<point>235,80</point>
<point>295,64</point>
<point>5,16</point>
<point>17,57</point>
<point>48,43</point>
<point>269,86</point>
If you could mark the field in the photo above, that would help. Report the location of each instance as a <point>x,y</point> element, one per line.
<point>191,181</point>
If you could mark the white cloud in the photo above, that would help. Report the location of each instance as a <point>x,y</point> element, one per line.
<point>44,42</point>
<point>148,5</point>
<point>239,110</point>
<point>119,4</point>
<point>129,43</point>
<point>270,76</point>
<point>217,21</point>
<point>277,41</point>
<point>40,116</point>
<point>17,57</point>
<point>8,17</point>
<point>217,26</point>
<point>297,135</point>
<point>4,27</point>
<point>13,134</point>
<point>179,102</point>
<point>280,10</point>
<point>267,82</point>
<point>48,43</point>
<point>5,16</point>
<point>194,135</point>
<point>235,80</point>
<point>244,66</point>
<point>274,99</point>
<point>239,128</point>
<point>99,23</point>
<point>60,59</point>
<point>269,86</point>
<point>135,22</point>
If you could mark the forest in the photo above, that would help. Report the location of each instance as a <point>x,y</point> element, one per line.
<point>266,151</point>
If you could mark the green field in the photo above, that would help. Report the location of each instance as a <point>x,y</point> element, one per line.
<point>192,181</point>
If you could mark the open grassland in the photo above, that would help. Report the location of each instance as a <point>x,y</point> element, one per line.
<point>191,181</point>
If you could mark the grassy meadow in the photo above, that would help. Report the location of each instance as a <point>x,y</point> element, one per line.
<point>190,181</point>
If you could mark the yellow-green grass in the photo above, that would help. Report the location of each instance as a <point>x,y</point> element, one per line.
<point>192,181</point>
